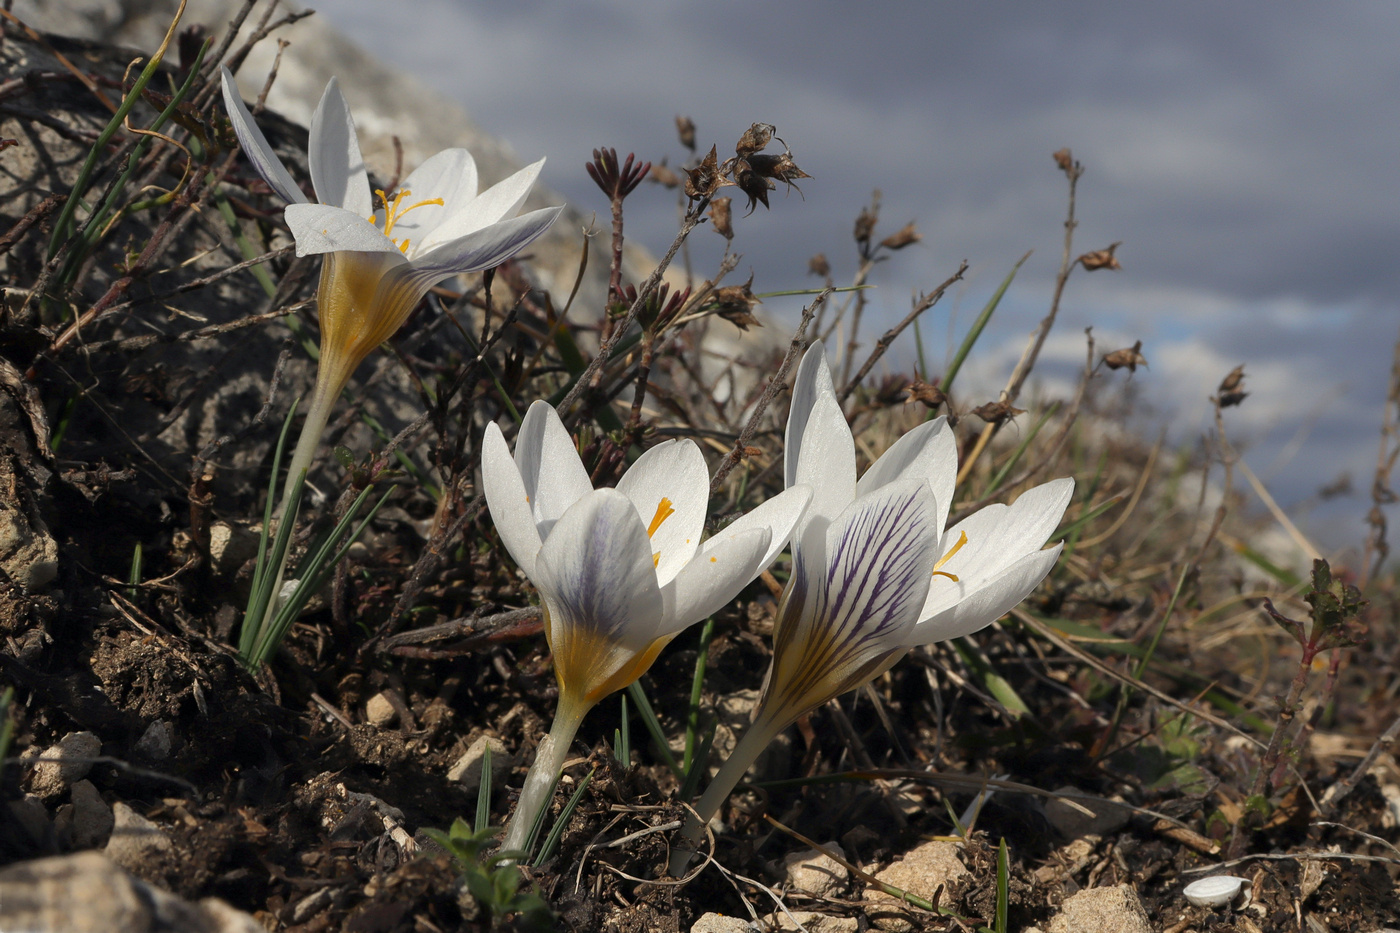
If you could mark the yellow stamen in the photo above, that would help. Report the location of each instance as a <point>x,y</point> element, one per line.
<point>393,213</point>
<point>962,539</point>
<point>663,512</point>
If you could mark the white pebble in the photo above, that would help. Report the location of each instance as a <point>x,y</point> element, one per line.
<point>1216,891</point>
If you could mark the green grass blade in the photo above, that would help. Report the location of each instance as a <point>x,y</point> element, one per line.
<point>624,737</point>
<point>556,832</point>
<point>992,682</point>
<point>134,577</point>
<point>697,683</point>
<point>977,326</point>
<point>255,613</point>
<point>1073,527</point>
<point>1003,886</point>
<point>653,725</point>
<point>483,791</point>
<point>691,784</point>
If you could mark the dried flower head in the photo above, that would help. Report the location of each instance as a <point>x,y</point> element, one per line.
<point>664,175</point>
<point>818,265</point>
<point>755,139</point>
<point>865,223</point>
<point>1131,357</point>
<point>997,412</point>
<point>753,184</point>
<point>721,218</point>
<point>617,182</point>
<point>1101,258</point>
<point>685,129</point>
<point>905,236</point>
<point>1231,388</point>
<point>735,304</point>
<point>660,308</point>
<point>705,179</point>
<point>1065,160</point>
<point>927,392</point>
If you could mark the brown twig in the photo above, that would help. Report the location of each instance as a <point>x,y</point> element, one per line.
<point>920,306</point>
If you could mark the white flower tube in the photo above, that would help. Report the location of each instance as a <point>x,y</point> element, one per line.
<point>620,572</point>
<point>873,571</point>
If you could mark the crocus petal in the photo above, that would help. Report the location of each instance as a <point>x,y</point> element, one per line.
<point>670,487</point>
<point>255,145</point>
<point>321,228</point>
<point>508,501</point>
<point>778,514</point>
<point>499,201</point>
<point>727,564</point>
<point>595,575</point>
<point>549,466</point>
<point>841,617</point>
<point>337,168</point>
<point>483,249</point>
<point>450,175</point>
<point>812,373</point>
<point>928,452</point>
<point>990,602</point>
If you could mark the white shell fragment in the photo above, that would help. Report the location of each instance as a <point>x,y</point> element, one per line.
<point>1216,891</point>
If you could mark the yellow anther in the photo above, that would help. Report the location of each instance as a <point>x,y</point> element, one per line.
<point>663,512</point>
<point>962,539</point>
<point>393,212</point>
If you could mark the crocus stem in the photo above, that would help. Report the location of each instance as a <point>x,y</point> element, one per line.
<point>311,430</point>
<point>760,733</point>
<point>550,756</point>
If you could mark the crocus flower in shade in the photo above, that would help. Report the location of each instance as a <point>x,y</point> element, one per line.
<point>620,572</point>
<point>874,573</point>
<point>383,250</point>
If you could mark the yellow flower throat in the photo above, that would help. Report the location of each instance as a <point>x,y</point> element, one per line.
<point>393,212</point>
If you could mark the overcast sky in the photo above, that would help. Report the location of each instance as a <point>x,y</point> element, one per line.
<point>1245,154</point>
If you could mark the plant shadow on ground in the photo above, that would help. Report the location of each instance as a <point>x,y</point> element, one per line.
<point>1142,670</point>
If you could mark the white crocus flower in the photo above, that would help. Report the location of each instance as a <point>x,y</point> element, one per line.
<point>383,250</point>
<point>874,573</point>
<point>620,572</point>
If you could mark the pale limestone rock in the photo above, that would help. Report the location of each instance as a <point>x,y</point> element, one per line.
<point>922,871</point>
<point>1101,910</point>
<point>815,873</point>
<point>92,819</point>
<point>467,769</point>
<point>135,839</point>
<point>812,922</point>
<point>86,893</point>
<point>719,923</point>
<point>379,710</point>
<point>53,776</point>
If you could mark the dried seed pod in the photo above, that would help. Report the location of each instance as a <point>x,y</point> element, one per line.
<point>865,223</point>
<point>1101,258</point>
<point>905,236</point>
<point>662,174</point>
<point>1065,160</point>
<point>1131,357</point>
<point>892,389</point>
<point>685,128</point>
<point>1231,391</point>
<point>721,218</point>
<point>818,265</point>
<point>997,412</point>
<point>927,392</point>
<point>755,139</point>
<point>735,304</point>
<point>754,185</point>
<point>705,179</point>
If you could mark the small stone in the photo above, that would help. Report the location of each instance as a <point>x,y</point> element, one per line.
<point>379,710</point>
<point>1216,891</point>
<point>155,743</point>
<point>815,873</point>
<point>812,922</point>
<point>1101,910</point>
<point>230,547</point>
<point>720,923</point>
<point>30,813</point>
<point>1074,823</point>
<point>467,770</point>
<point>92,819</point>
<point>52,776</point>
<point>135,839</point>
<point>922,871</point>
